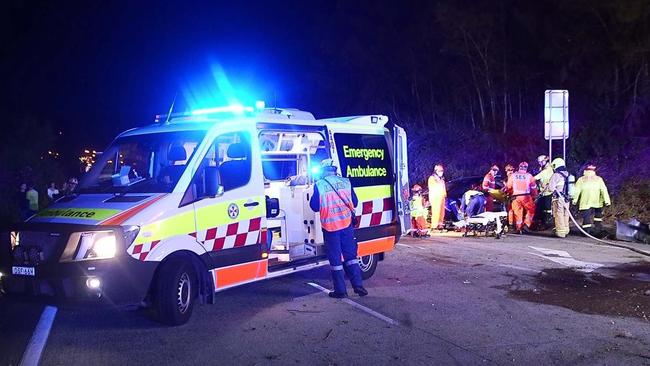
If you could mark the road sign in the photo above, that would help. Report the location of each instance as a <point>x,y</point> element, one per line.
<point>556,114</point>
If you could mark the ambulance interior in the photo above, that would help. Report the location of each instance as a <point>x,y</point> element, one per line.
<point>290,163</point>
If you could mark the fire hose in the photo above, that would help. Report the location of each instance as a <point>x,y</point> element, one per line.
<point>606,242</point>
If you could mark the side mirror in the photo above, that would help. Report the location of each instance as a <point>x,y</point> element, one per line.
<point>212,186</point>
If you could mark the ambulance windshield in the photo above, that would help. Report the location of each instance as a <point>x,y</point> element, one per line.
<point>151,163</point>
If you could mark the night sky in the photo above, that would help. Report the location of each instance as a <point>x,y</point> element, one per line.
<point>101,68</point>
<point>456,69</point>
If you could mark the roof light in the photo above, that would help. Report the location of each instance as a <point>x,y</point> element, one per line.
<point>260,104</point>
<point>234,108</point>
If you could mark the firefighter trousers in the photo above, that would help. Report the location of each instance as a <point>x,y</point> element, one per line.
<point>524,211</point>
<point>339,244</point>
<point>592,219</point>
<point>437,211</point>
<point>561,217</point>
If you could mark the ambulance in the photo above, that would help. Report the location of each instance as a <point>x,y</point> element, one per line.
<point>202,201</point>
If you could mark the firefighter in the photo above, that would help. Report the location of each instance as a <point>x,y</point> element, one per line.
<point>590,196</point>
<point>523,189</point>
<point>509,169</point>
<point>543,213</point>
<point>559,186</point>
<point>335,199</point>
<point>473,202</point>
<point>437,195</point>
<point>418,213</point>
<point>489,183</point>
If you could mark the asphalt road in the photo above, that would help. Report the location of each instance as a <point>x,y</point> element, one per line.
<point>442,300</point>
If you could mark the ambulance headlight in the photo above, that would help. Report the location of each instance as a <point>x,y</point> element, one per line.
<point>96,245</point>
<point>105,247</point>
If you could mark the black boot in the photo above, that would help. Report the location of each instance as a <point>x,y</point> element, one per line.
<point>338,295</point>
<point>361,291</point>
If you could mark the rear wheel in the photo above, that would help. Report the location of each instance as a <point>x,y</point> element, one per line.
<point>175,292</point>
<point>368,265</point>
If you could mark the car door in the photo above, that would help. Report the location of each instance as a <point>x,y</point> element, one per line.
<point>229,205</point>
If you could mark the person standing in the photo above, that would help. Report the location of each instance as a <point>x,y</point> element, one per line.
<point>32,197</point>
<point>559,186</point>
<point>419,213</point>
<point>52,191</point>
<point>591,196</point>
<point>22,202</point>
<point>523,189</point>
<point>543,213</point>
<point>437,196</point>
<point>70,186</point>
<point>509,169</point>
<point>335,200</point>
<point>489,183</point>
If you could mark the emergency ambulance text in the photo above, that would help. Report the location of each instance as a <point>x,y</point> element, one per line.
<point>366,154</point>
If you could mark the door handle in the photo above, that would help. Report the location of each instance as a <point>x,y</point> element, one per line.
<point>251,204</point>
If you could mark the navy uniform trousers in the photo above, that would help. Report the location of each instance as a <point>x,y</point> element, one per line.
<point>339,244</point>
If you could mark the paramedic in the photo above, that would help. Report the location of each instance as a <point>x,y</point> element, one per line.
<point>559,186</point>
<point>335,199</point>
<point>489,183</point>
<point>437,195</point>
<point>523,189</point>
<point>473,202</point>
<point>543,209</point>
<point>418,213</point>
<point>590,196</point>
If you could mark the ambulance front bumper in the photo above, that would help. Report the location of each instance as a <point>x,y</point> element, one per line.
<point>39,271</point>
<point>117,281</point>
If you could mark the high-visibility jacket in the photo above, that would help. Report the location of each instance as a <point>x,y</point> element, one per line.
<point>488,182</point>
<point>544,178</point>
<point>591,192</point>
<point>437,186</point>
<point>522,183</point>
<point>32,197</point>
<point>335,214</point>
<point>417,207</point>
<point>558,182</point>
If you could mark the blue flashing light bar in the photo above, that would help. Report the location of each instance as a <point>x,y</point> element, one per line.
<point>260,104</point>
<point>316,169</point>
<point>234,108</point>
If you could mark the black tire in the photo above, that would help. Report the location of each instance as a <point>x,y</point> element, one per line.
<point>175,292</point>
<point>368,265</point>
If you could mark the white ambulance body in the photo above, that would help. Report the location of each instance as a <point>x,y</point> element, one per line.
<point>174,212</point>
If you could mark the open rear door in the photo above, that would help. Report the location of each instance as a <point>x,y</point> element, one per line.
<point>400,166</point>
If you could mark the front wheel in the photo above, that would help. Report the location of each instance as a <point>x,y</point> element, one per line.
<point>176,290</point>
<point>368,265</point>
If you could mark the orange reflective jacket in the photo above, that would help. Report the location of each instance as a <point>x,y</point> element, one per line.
<point>334,213</point>
<point>522,183</point>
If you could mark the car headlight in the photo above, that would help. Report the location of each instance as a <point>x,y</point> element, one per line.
<point>96,245</point>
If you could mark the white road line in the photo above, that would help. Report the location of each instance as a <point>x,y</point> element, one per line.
<point>358,306</point>
<point>552,252</point>
<point>581,266</point>
<point>519,268</point>
<point>403,245</point>
<point>32,355</point>
<point>563,240</point>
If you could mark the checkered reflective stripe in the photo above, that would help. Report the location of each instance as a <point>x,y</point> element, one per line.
<point>237,234</point>
<point>375,212</point>
<point>140,251</point>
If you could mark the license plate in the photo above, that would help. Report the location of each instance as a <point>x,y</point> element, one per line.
<point>23,271</point>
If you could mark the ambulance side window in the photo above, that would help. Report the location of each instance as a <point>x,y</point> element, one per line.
<point>227,164</point>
